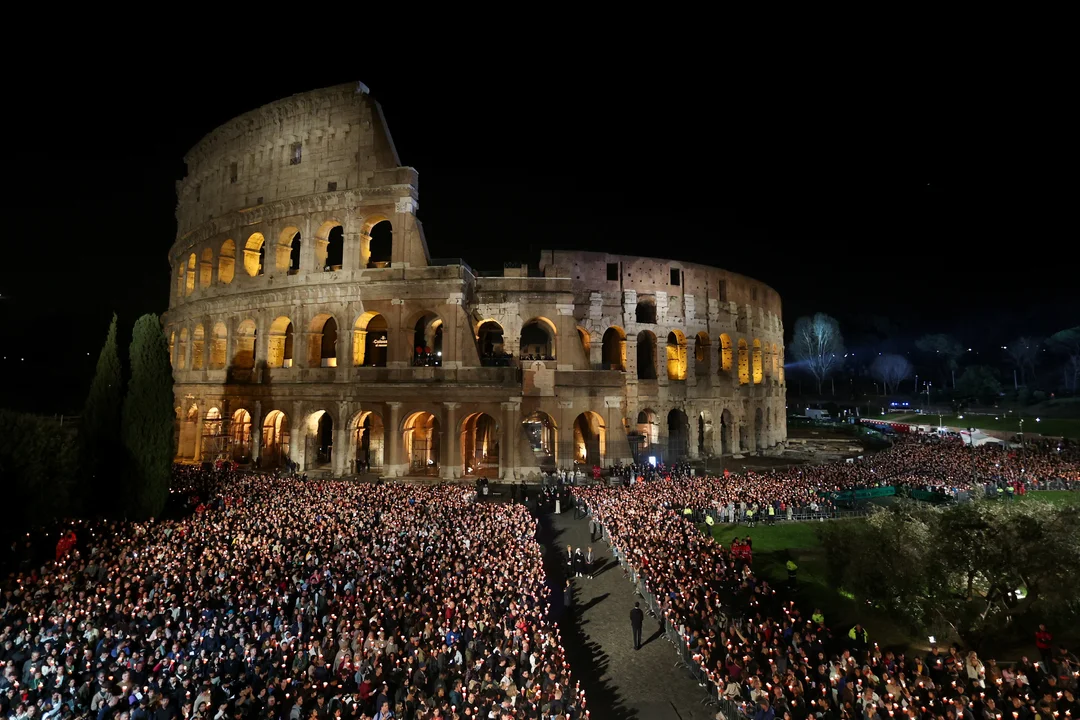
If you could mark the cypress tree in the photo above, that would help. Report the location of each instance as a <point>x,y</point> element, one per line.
<point>100,450</point>
<point>148,419</point>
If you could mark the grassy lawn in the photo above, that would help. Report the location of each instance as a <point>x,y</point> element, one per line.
<point>1054,427</point>
<point>1054,497</point>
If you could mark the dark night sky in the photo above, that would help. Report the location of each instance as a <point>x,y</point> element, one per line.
<point>909,194</point>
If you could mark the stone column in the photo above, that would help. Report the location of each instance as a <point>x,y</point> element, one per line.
<point>230,341</point>
<point>451,454</point>
<point>341,442</point>
<point>691,364</point>
<point>392,460</point>
<point>350,251</point>
<point>199,431</point>
<point>297,437</point>
<point>695,433</point>
<point>363,250</point>
<point>256,432</point>
<point>508,442</point>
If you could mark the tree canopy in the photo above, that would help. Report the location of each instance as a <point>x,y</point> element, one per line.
<point>818,345</point>
<point>972,568</point>
<point>890,370</point>
<point>947,349</point>
<point>979,382</point>
<point>99,430</point>
<point>148,419</point>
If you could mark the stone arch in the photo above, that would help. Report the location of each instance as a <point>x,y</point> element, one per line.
<point>287,251</point>
<point>706,440</point>
<point>179,279</point>
<point>211,435</point>
<point>744,363</point>
<point>726,359</point>
<point>780,367</point>
<point>645,312</point>
<point>244,353</point>
<point>490,344</point>
<point>427,337</point>
<point>678,435</point>
<point>614,349</point>
<point>190,274</point>
<point>330,245</point>
<point>586,340</point>
<point>759,429</point>
<point>702,353</point>
<point>226,262</point>
<point>543,436</point>
<point>648,425</point>
<point>240,436</point>
<point>538,339</point>
<point>727,431</point>
<point>590,439</point>
<point>758,366</point>
<point>371,338</point>
<point>322,341</point>
<point>319,453</point>
<point>379,237</point>
<point>280,351</point>
<point>181,350</point>
<point>646,355</point>
<point>198,347</point>
<point>480,446</point>
<point>676,356</point>
<point>219,343</point>
<point>206,268</point>
<point>275,445</point>
<point>420,433</point>
<point>172,348</point>
<point>367,441</point>
<point>255,254</point>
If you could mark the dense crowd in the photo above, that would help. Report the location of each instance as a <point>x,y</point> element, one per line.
<point>279,599</point>
<point>773,659</point>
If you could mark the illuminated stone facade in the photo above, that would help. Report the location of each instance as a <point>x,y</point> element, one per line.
<point>308,323</point>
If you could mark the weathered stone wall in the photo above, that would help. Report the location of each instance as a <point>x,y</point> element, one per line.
<point>260,375</point>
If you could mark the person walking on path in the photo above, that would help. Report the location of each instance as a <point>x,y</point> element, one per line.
<point>590,563</point>
<point>636,619</point>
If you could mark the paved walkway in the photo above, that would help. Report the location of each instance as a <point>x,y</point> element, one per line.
<point>620,683</point>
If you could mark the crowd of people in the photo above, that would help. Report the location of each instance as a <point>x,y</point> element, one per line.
<point>283,599</point>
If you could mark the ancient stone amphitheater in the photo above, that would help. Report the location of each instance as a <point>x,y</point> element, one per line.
<point>308,323</point>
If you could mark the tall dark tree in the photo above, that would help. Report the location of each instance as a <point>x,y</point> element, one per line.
<point>148,420</point>
<point>100,449</point>
<point>945,351</point>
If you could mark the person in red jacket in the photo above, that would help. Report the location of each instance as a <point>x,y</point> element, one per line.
<point>1044,641</point>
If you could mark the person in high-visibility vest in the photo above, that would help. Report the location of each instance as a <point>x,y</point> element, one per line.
<point>750,517</point>
<point>792,568</point>
<point>772,514</point>
<point>818,617</point>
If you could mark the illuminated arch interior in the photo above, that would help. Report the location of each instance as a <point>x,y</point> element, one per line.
<point>421,443</point>
<point>371,340</point>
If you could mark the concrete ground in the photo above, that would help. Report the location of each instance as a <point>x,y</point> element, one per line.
<point>619,682</point>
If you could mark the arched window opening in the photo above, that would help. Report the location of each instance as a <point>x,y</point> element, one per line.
<point>322,342</point>
<point>295,246</point>
<point>274,452</point>
<point>280,350</point>
<point>538,340</point>
<point>542,436</point>
<point>590,439</point>
<point>172,348</point>
<point>489,341</point>
<point>335,249</point>
<point>254,254</point>
<point>320,436</point>
<point>726,432</point>
<point>226,262</point>
<point>480,446</point>
<point>744,363</point>
<point>726,359</point>
<point>678,435</point>
<point>648,428</point>
<point>240,436</point>
<point>646,310</point>
<point>705,434</point>
<point>198,347</point>
<point>646,355</point>
<point>367,443</point>
<point>427,341</point>
<point>181,350</point>
<point>701,354</point>
<point>780,368</point>
<point>370,340</point>
<point>179,280</point>
<point>757,362</point>
<point>218,346</point>
<point>243,361</point>
<point>382,244</point>
<point>421,436</point>
<point>206,268</point>
<point>614,349</point>
<point>775,363</point>
<point>212,446</point>
<point>189,278</point>
<point>586,340</point>
<point>676,356</point>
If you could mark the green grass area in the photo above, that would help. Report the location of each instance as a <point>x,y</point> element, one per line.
<point>1054,497</point>
<point>1008,422</point>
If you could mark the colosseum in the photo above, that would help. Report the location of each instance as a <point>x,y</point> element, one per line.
<point>309,324</point>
